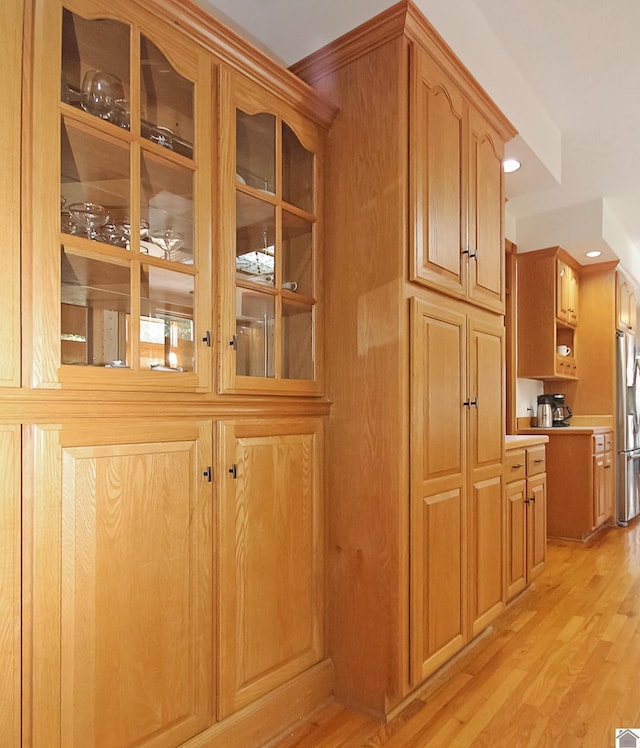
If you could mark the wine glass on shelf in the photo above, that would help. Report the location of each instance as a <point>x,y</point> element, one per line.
<point>168,240</point>
<point>89,217</point>
<point>100,91</point>
<point>143,230</point>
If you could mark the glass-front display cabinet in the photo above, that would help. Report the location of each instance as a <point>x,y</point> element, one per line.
<point>271,328</point>
<point>133,234</point>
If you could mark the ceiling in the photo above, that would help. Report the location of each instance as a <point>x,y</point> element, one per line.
<point>557,71</point>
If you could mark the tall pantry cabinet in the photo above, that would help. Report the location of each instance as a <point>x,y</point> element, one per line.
<point>414,288</point>
<point>11,20</point>
<point>162,454</point>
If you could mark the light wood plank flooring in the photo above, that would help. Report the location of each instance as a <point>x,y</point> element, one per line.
<point>561,667</point>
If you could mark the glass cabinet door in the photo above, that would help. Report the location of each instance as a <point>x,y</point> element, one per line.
<point>129,184</point>
<point>275,255</point>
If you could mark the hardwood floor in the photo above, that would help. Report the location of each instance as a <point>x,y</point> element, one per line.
<point>560,667</point>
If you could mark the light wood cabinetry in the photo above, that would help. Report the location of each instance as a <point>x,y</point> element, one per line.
<point>526,531</point>
<point>458,231</point>
<point>626,311</point>
<point>415,479</point>
<point>567,284</point>
<point>129,254</point>
<point>132,218</point>
<point>547,301</point>
<point>11,20</point>
<point>580,481</point>
<point>271,539</point>
<point>270,327</point>
<point>10,586</point>
<point>119,550</point>
<point>603,478</point>
<point>456,506</point>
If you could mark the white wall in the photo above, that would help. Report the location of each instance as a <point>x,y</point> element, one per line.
<point>527,391</point>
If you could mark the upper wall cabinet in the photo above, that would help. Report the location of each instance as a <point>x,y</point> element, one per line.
<point>270,280</point>
<point>458,230</point>
<point>120,253</point>
<point>625,304</point>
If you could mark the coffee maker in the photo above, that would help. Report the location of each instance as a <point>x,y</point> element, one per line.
<point>556,406</point>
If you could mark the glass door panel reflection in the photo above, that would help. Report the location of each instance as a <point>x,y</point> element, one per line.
<point>297,171</point>
<point>255,339</point>
<point>95,309</point>
<point>166,101</point>
<point>255,239</point>
<point>167,209</point>
<point>297,254</point>
<point>167,338</point>
<point>94,189</point>
<point>95,67</point>
<point>297,341</point>
<point>256,151</point>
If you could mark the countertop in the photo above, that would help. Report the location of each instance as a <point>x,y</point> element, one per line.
<point>516,441</point>
<point>566,430</point>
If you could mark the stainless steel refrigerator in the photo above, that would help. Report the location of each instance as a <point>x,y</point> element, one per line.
<point>627,429</point>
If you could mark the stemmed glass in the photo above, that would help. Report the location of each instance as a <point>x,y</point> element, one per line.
<point>126,228</point>
<point>100,91</point>
<point>89,217</point>
<point>168,240</point>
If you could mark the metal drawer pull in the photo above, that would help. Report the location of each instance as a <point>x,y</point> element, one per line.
<point>518,465</point>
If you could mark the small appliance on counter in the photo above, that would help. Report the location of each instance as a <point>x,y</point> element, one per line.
<point>553,411</point>
<point>545,412</point>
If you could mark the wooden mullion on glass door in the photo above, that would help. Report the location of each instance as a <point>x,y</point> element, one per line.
<point>134,95</point>
<point>134,244</point>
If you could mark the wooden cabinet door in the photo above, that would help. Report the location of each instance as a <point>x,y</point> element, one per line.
<point>120,543</point>
<point>10,614</point>
<point>610,477</point>
<point>574,296</point>
<point>485,463</point>
<point>567,292</point>
<point>516,571</point>
<point>600,492</point>
<point>438,179</point>
<point>438,543</point>
<point>485,231</point>
<point>536,524</point>
<point>563,302</point>
<point>11,24</point>
<point>271,556</point>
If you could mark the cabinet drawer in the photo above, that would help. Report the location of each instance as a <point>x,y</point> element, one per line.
<point>608,441</point>
<point>514,465</point>
<point>536,460</point>
<point>598,443</point>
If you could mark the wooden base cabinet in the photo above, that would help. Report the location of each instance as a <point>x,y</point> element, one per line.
<point>580,481</point>
<point>271,541</point>
<point>603,478</point>
<point>526,503</point>
<point>119,565</point>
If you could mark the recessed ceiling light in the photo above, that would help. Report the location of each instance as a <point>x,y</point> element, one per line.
<point>594,253</point>
<point>510,164</point>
